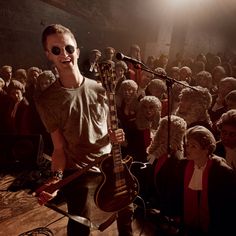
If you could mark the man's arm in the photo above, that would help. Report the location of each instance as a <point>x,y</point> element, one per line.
<point>58,165</point>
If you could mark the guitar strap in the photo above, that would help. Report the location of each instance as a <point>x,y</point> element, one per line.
<point>83,220</point>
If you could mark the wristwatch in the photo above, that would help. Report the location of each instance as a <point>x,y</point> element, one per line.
<point>58,174</point>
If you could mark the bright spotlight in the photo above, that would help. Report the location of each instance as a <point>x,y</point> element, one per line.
<point>179,3</point>
<point>183,6</point>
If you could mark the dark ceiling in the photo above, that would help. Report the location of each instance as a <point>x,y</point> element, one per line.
<point>117,13</point>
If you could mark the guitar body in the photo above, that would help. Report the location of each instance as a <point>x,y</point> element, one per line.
<point>111,195</point>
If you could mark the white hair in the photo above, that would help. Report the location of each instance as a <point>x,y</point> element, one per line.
<point>178,127</point>
<point>141,120</point>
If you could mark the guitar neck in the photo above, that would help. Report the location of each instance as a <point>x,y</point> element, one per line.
<point>108,81</point>
<point>113,111</point>
<point>116,150</point>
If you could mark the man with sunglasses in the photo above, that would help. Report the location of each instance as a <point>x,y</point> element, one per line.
<point>74,111</point>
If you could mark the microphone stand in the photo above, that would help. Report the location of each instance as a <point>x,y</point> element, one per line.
<point>169,82</point>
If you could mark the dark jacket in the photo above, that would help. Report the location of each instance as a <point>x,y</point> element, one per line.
<point>221,193</point>
<point>220,149</point>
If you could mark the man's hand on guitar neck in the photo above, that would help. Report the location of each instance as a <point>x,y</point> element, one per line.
<point>117,136</point>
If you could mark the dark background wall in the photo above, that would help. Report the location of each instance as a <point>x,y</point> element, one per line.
<point>21,24</point>
<point>99,23</point>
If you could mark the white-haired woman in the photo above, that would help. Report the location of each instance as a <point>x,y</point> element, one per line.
<point>148,115</point>
<point>44,80</point>
<point>127,104</point>
<point>157,155</point>
<point>157,88</point>
<point>159,145</point>
<point>147,121</point>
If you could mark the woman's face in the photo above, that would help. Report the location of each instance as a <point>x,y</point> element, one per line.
<point>119,72</point>
<point>2,84</point>
<point>128,93</point>
<point>194,151</point>
<point>157,93</point>
<point>45,84</point>
<point>149,111</point>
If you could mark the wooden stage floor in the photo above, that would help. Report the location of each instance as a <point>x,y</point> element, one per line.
<point>20,212</point>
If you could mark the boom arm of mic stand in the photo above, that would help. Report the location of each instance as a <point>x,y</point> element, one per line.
<point>141,65</point>
<point>164,77</point>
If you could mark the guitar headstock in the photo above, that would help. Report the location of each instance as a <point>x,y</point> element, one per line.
<point>107,77</point>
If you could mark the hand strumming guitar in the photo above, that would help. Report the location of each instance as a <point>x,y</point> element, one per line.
<point>44,196</point>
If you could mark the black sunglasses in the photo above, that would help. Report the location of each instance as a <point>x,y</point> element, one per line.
<point>57,51</point>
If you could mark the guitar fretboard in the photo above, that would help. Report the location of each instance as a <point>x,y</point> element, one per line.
<point>116,149</point>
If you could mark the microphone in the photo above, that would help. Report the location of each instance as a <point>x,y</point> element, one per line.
<point>122,57</point>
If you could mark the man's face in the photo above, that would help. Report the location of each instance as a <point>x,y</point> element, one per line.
<point>7,73</point>
<point>66,49</point>
<point>183,74</point>
<point>228,135</point>
<point>16,95</point>
<point>189,110</point>
<point>95,56</point>
<point>135,53</point>
<point>109,54</point>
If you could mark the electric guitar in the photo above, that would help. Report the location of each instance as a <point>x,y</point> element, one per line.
<point>119,187</point>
